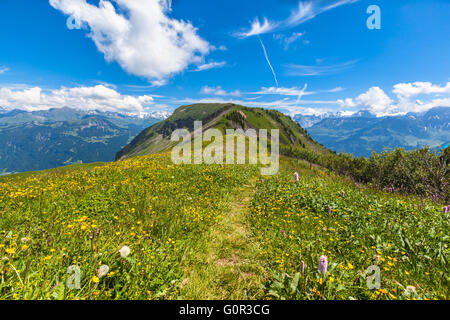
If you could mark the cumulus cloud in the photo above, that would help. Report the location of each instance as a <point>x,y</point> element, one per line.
<point>376,101</point>
<point>97,97</point>
<point>139,35</point>
<point>218,91</point>
<point>346,103</point>
<point>408,90</point>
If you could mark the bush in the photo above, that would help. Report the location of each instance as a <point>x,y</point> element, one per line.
<point>421,172</point>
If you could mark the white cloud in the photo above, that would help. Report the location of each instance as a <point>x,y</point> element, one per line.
<point>211,65</point>
<point>309,10</point>
<point>98,97</point>
<point>257,28</point>
<point>3,69</point>
<point>287,41</point>
<point>346,103</point>
<point>317,70</point>
<point>408,90</point>
<point>139,35</point>
<point>376,101</point>
<point>440,96</point>
<point>220,48</point>
<point>218,91</point>
<point>405,106</point>
<point>337,89</point>
<point>306,10</point>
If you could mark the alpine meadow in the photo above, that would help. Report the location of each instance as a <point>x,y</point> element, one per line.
<point>224,159</point>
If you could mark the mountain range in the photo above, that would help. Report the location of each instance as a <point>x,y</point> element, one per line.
<point>363,132</point>
<point>46,139</point>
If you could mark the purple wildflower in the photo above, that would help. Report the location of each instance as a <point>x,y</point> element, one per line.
<point>296,176</point>
<point>329,210</point>
<point>284,233</point>
<point>445,210</point>
<point>323,264</point>
<point>343,194</point>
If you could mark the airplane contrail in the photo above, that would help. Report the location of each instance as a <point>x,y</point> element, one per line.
<point>301,93</point>
<point>268,61</point>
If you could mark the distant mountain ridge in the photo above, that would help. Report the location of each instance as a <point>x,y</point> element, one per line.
<point>363,132</point>
<point>51,138</point>
<point>67,114</point>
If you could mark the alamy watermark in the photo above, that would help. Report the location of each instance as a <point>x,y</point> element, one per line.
<point>73,281</point>
<point>373,277</point>
<point>374,20</point>
<point>214,153</point>
<point>73,23</point>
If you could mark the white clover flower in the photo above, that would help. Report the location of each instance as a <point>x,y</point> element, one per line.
<point>411,289</point>
<point>124,251</point>
<point>24,240</point>
<point>103,271</point>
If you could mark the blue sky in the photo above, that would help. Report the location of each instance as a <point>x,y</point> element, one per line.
<point>149,55</point>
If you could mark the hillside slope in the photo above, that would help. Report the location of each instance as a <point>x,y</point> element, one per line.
<point>221,116</point>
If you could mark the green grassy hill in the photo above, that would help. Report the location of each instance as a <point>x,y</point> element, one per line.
<point>221,116</point>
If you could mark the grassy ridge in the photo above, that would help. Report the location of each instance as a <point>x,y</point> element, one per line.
<point>220,116</point>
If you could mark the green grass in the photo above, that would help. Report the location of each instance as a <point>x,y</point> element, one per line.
<point>227,264</point>
<point>365,228</point>
<point>53,220</point>
<point>213,232</point>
